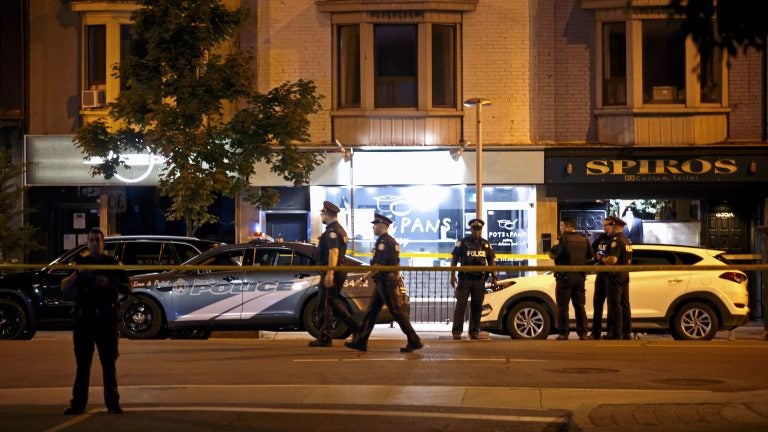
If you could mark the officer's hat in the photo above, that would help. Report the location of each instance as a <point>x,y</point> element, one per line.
<point>330,208</point>
<point>377,218</point>
<point>614,220</point>
<point>476,224</point>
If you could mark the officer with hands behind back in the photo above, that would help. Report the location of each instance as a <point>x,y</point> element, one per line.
<point>387,290</point>
<point>332,249</point>
<point>571,248</point>
<point>471,251</point>
<point>96,315</point>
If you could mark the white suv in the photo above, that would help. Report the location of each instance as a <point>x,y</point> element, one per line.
<point>689,303</point>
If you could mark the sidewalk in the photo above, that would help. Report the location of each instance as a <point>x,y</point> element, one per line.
<point>751,331</point>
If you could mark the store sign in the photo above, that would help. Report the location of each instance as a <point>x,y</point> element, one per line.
<point>656,170</point>
<point>55,161</point>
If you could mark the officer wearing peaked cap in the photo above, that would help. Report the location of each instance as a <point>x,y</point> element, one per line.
<point>387,291</point>
<point>471,251</point>
<point>332,249</point>
<point>618,252</point>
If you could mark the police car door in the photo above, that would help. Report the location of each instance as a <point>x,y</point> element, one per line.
<point>273,294</point>
<point>213,296</point>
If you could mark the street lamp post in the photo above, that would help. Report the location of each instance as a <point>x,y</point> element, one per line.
<point>478,102</point>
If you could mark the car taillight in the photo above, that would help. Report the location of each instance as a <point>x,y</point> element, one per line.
<point>734,277</point>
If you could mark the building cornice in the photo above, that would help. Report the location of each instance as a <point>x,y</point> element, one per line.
<point>397,5</point>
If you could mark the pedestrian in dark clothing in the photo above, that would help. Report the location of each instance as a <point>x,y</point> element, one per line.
<point>331,251</point>
<point>619,252</point>
<point>387,291</point>
<point>471,251</point>
<point>571,248</point>
<point>96,294</point>
<point>600,245</point>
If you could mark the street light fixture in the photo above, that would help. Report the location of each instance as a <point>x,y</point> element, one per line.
<point>478,102</point>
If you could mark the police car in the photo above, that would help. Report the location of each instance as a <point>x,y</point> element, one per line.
<point>689,303</point>
<point>236,287</point>
<point>32,300</point>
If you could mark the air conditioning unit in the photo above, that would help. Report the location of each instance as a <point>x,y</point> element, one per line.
<point>93,98</point>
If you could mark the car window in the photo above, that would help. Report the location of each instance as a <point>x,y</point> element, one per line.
<point>687,258</point>
<point>185,251</point>
<point>232,257</point>
<point>301,259</point>
<point>265,257</point>
<point>141,253</point>
<point>651,257</point>
<point>285,258</point>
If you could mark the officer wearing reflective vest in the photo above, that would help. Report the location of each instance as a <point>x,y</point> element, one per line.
<point>471,251</point>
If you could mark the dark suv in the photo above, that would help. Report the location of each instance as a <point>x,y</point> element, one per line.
<point>32,300</point>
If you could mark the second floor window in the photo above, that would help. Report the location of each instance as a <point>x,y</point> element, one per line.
<point>663,62</point>
<point>614,64</point>
<point>443,66</point>
<point>395,66</point>
<point>96,48</point>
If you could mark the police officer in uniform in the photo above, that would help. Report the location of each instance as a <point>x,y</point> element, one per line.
<point>600,246</point>
<point>332,249</point>
<point>619,252</point>
<point>387,291</point>
<point>95,293</point>
<point>471,251</point>
<point>571,248</point>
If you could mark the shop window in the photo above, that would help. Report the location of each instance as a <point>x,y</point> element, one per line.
<point>349,66</point>
<point>663,62</point>
<point>96,54</point>
<point>443,66</point>
<point>395,66</point>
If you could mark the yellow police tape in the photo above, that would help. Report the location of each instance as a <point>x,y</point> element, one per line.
<point>361,269</point>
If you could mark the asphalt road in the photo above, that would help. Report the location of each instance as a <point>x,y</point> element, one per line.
<point>278,383</point>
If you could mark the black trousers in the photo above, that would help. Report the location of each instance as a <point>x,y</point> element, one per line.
<point>466,288</point>
<point>387,292</point>
<point>571,290</point>
<point>619,313</point>
<point>330,306</point>
<point>598,301</point>
<point>103,336</point>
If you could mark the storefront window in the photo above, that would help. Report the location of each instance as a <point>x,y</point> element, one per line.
<point>429,219</point>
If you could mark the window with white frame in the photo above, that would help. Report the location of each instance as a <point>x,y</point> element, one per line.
<point>664,67</point>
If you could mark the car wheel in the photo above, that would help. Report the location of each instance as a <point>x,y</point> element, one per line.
<point>528,320</point>
<point>14,323</point>
<point>140,318</point>
<point>311,323</point>
<point>695,321</point>
<point>190,334</point>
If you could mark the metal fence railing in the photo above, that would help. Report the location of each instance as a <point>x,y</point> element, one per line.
<point>431,294</point>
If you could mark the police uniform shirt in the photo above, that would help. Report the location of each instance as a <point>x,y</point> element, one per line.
<point>90,297</point>
<point>473,252</point>
<point>572,249</point>
<point>333,237</point>
<point>600,245</point>
<point>386,252</point>
<point>621,248</point>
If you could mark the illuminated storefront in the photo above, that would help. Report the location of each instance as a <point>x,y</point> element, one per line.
<point>713,197</point>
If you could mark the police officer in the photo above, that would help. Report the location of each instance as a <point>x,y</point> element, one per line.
<point>600,246</point>
<point>332,249</point>
<point>95,293</point>
<point>619,252</point>
<point>387,291</point>
<point>471,251</point>
<point>571,248</point>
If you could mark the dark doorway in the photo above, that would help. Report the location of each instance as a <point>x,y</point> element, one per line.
<point>287,226</point>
